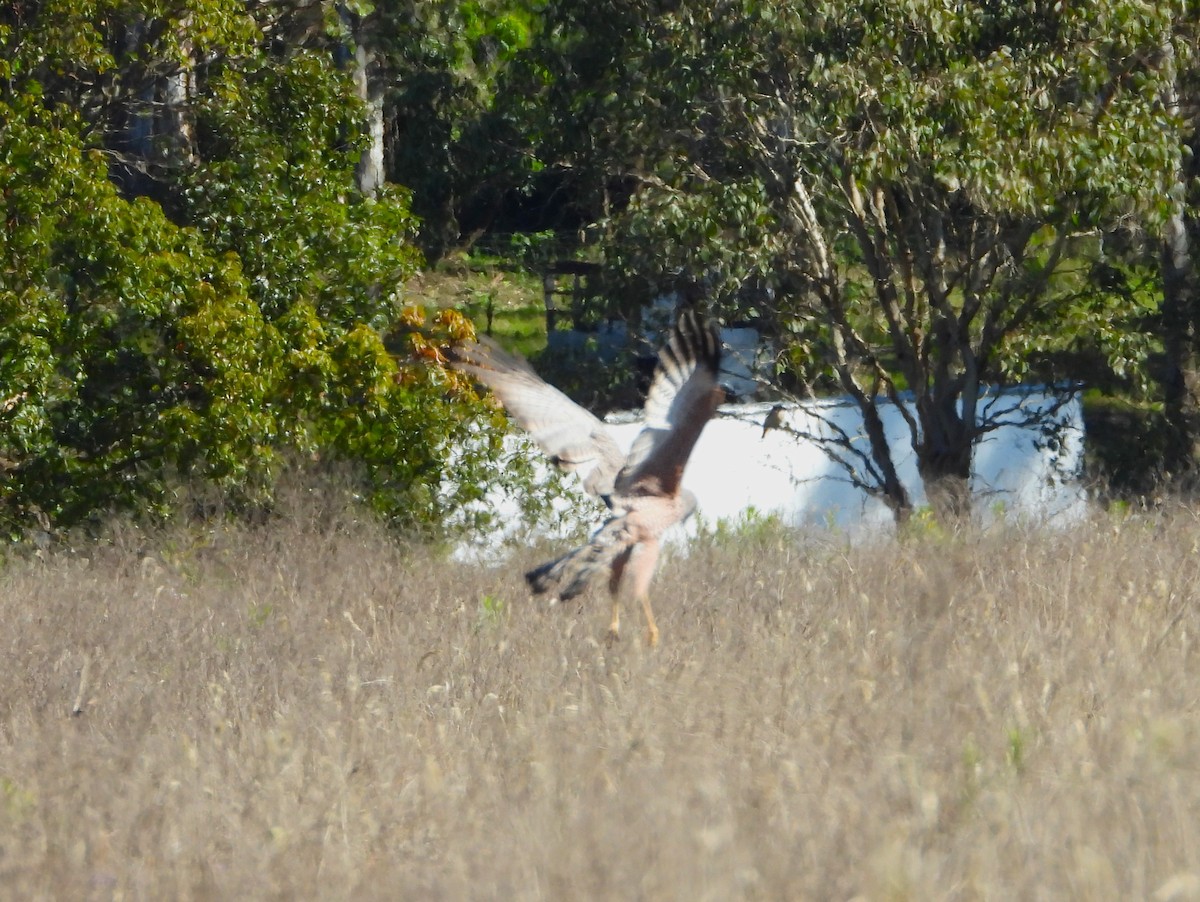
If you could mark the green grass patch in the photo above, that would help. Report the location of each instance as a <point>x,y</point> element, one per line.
<point>501,299</point>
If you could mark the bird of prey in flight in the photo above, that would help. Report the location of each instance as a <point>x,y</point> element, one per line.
<point>642,488</point>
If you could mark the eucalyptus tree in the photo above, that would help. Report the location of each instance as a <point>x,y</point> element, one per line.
<point>916,190</point>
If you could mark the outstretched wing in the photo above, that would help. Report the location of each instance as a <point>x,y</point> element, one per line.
<point>683,396</point>
<point>572,437</point>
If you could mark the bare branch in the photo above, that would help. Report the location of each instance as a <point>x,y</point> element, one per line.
<point>878,261</point>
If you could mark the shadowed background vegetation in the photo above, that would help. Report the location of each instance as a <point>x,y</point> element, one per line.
<point>238,237</point>
<point>308,709</point>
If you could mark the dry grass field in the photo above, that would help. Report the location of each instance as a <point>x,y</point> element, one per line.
<point>311,710</point>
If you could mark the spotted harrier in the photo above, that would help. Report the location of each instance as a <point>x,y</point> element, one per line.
<point>642,488</point>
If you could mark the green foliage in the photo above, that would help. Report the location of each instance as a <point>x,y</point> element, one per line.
<point>129,351</point>
<point>752,530</point>
<point>251,308</point>
<point>922,525</point>
<point>452,146</point>
<point>106,59</point>
<point>1018,108</point>
<point>326,264</point>
<point>713,114</point>
<point>1016,749</point>
<point>399,422</point>
<point>493,613</point>
<point>534,250</point>
<point>138,355</point>
<point>1094,321</point>
<point>900,185</point>
<point>276,187</point>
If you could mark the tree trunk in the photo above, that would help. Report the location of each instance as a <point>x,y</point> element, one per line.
<point>354,53</point>
<point>1181,377</point>
<point>155,132</point>
<point>894,494</point>
<point>947,412</point>
<point>176,123</point>
<point>944,458</point>
<point>1181,388</point>
<point>370,164</point>
<point>133,134</point>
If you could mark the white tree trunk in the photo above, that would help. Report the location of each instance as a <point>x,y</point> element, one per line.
<point>370,164</point>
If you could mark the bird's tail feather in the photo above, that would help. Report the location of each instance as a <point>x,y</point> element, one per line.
<point>570,574</point>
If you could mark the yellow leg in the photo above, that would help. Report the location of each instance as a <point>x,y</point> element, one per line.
<point>651,626</point>
<point>614,588</point>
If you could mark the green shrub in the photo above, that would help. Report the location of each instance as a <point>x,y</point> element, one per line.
<point>137,355</point>
<point>127,349</point>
